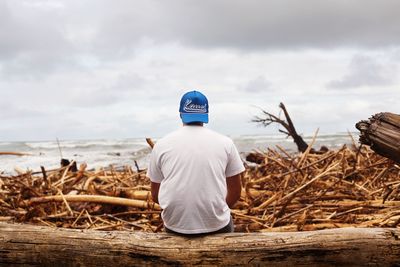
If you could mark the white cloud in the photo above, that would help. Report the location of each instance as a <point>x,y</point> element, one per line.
<point>258,85</point>
<point>365,71</point>
<point>94,69</point>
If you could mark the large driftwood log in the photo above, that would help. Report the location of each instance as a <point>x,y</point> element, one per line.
<point>42,246</point>
<point>382,133</point>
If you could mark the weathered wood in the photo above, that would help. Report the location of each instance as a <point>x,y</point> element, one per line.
<point>268,118</point>
<point>382,133</point>
<point>150,142</point>
<point>8,153</point>
<point>26,245</point>
<point>96,199</point>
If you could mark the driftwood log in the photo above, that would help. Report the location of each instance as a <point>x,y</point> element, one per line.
<point>7,153</point>
<point>27,245</point>
<point>382,133</point>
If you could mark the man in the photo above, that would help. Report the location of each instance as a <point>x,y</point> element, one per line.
<point>195,173</point>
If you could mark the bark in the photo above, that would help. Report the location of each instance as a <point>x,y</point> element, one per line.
<point>382,133</point>
<point>27,245</point>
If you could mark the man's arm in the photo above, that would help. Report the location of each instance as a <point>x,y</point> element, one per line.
<point>234,187</point>
<point>155,187</point>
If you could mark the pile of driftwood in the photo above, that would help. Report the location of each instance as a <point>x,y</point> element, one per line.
<point>351,186</point>
<point>105,199</point>
<point>346,187</point>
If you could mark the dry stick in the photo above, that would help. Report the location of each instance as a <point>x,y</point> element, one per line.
<point>357,185</point>
<point>88,182</point>
<point>331,215</point>
<point>141,195</point>
<point>326,172</point>
<point>255,218</point>
<point>5,203</point>
<point>7,153</point>
<point>150,142</point>
<point>395,191</point>
<point>284,151</point>
<point>59,147</point>
<point>65,216</point>
<point>277,162</point>
<point>80,174</point>
<point>44,175</point>
<point>45,223</point>
<point>262,179</point>
<point>381,174</point>
<point>51,170</point>
<point>126,222</point>
<point>61,181</point>
<point>65,202</point>
<point>104,221</point>
<point>96,199</point>
<point>137,212</point>
<point>392,214</point>
<point>268,201</point>
<point>348,211</point>
<point>77,218</point>
<point>291,162</point>
<point>282,210</point>
<point>292,195</point>
<point>293,213</point>
<point>90,219</point>
<point>323,192</point>
<point>303,157</point>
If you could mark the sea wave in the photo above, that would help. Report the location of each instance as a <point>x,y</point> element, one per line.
<point>85,144</point>
<point>100,153</point>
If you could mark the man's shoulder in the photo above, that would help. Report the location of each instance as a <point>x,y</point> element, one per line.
<point>219,136</point>
<point>169,137</point>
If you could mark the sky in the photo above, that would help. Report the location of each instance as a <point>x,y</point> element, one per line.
<point>89,69</point>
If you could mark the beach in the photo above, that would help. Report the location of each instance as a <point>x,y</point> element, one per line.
<point>120,152</point>
<point>346,186</point>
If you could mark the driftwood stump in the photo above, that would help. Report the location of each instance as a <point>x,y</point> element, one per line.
<point>268,118</point>
<point>27,245</point>
<point>382,133</point>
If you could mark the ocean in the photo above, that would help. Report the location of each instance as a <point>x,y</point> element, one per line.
<point>121,152</point>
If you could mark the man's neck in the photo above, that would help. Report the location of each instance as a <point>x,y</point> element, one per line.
<point>193,124</point>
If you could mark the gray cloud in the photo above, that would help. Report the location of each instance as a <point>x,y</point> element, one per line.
<point>76,68</point>
<point>114,29</point>
<point>33,39</point>
<point>364,71</point>
<point>42,37</point>
<point>258,85</point>
<point>129,82</point>
<point>11,111</point>
<point>254,24</point>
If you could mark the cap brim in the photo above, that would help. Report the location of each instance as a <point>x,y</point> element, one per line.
<point>194,117</point>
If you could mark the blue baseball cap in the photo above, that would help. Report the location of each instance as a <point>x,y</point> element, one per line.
<point>194,107</point>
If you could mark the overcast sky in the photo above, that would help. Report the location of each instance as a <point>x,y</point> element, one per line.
<point>85,69</point>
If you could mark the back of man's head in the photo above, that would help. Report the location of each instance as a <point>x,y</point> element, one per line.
<point>194,108</point>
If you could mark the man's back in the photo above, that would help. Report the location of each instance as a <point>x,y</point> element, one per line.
<point>192,164</point>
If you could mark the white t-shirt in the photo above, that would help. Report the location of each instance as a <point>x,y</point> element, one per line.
<point>192,164</point>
